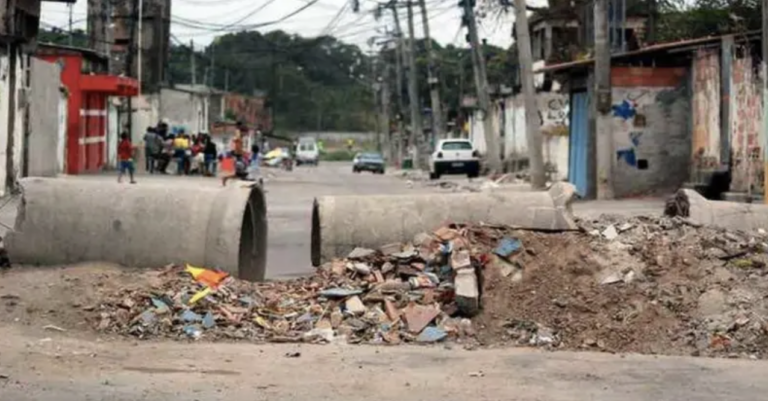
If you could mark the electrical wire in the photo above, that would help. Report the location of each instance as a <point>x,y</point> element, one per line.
<point>335,20</point>
<point>234,27</point>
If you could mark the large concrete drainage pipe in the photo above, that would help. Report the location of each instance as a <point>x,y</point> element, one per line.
<point>727,215</point>
<point>341,223</point>
<point>64,221</point>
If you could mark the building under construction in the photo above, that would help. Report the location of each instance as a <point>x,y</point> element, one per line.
<point>115,30</point>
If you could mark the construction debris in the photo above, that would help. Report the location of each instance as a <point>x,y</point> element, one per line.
<point>654,285</point>
<point>405,292</point>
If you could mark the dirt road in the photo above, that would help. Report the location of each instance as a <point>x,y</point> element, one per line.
<point>50,367</point>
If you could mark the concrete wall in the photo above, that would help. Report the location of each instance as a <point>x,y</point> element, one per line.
<point>553,119</point>
<point>186,109</point>
<point>651,139</point>
<point>10,108</point>
<point>61,143</point>
<point>746,105</point>
<point>705,103</point>
<point>44,98</point>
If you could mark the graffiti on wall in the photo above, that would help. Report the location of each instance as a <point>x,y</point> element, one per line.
<point>553,115</point>
<point>706,109</point>
<point>746,121</point>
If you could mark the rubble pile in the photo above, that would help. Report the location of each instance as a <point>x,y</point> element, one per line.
<point>420,292</point>
<point>654,285</point>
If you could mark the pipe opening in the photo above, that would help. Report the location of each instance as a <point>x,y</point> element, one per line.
<point>252,254</point>
<point>315,235</point>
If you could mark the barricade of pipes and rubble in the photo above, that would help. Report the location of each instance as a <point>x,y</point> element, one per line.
<point>654,285</point>
<point>413,292</point>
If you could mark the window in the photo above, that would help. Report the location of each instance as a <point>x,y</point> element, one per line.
<point>307,147</point>
<point>457,145</point>
<point>371,157</point>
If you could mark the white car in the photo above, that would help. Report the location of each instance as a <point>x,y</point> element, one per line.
<point>307,152</point>
<point>454,156</point>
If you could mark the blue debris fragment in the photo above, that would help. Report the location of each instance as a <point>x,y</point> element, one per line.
<point>148,317</point>
<point>208,321</point>
<point>247,301</point>
<point>161,306</point>
<point>193,330</point>
<point>339,292</point>
<point>431,334</point>
<point>508,246</point>
<point>189,316</point>
<point>433,277</point>
<point>446,248</point>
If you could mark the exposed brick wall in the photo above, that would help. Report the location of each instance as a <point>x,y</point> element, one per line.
<point>746,121</point>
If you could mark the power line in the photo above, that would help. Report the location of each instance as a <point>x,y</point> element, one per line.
<point>233,27</point>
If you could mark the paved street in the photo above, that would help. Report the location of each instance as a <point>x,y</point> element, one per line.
<point>49,366</point>
<point>289,202</point>
<point>52,367</point>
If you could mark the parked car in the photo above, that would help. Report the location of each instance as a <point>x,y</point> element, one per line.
<point>372,162</point>
<point>454,156</point>
<point>307,152</point>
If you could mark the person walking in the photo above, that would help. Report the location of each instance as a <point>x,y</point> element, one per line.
<point>211,154</point>
<point>125,150</point>
<point>180,148</point>
<point>153,145</point>
<point>241,170</point>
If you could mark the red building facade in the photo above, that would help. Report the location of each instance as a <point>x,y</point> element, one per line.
<point>83,73</point>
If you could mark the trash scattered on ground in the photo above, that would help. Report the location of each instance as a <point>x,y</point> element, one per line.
<point>51,327</point>
<point>653,285</point>
<point>401,293</point>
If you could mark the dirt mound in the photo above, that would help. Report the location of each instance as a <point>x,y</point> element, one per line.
<point>646,285</point>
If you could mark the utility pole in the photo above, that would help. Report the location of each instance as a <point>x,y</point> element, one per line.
<point>764,65</point>
<point>385,98</point>
<point>212,82</point>
<point>532,124</point>
<point>129,63</point>
<point>399,60</point>
<point>140,47</point>
<point>493,154</point>
<point>413,92</point>
<point>603,140</point>
<point>438,124</point>
<point>71,33</point>
<point>192,66</point>
<point>375,88</point>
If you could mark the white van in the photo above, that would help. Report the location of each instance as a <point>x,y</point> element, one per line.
<point>307,152</point>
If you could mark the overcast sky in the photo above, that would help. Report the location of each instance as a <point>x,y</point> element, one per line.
<point>445,19</point>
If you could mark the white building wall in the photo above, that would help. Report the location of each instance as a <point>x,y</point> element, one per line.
<point>6,113</point>
<point>553,117</point>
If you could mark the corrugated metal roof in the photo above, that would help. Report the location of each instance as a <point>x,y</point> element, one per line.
<point>659,47</point>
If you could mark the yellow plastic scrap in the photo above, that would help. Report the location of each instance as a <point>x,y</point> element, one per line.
<point>210,278</point>
<point>262,322</point>
<point>200,295</point>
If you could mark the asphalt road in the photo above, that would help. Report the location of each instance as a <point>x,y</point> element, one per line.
<point>53,367</point>
<point>290,196</point>
<point>49,366</point>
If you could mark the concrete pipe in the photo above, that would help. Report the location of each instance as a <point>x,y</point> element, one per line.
<point>64,221</point>
<point>341,223</point>
<point>727,215</point>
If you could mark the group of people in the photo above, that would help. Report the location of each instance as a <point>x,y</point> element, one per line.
<point>195,154</point>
